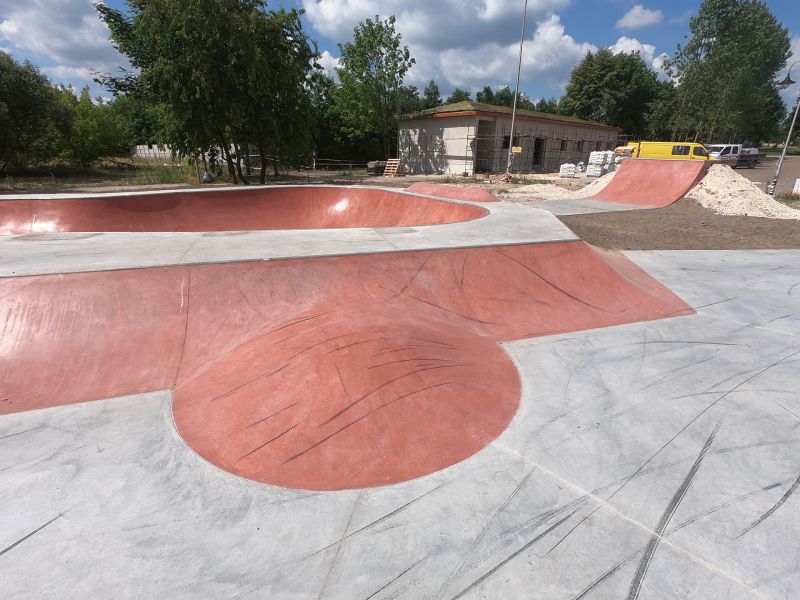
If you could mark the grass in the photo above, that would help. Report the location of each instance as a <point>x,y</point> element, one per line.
<point>792,200</point>
<point>112,172</point>
<point>792,151</point>
<point>522,180</point>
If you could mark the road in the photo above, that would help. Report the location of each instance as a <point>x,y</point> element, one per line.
<point>765,171</point>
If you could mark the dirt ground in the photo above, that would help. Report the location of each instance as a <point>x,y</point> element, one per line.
<point>683,226</point>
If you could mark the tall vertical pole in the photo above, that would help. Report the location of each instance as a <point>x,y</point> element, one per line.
<point>774,183</point>
<point>516,94</point>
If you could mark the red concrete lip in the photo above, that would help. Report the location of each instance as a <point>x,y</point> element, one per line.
<point>455,192</point>
<point>319,373</point>
<point>653,183</point>
<point>238,210</point>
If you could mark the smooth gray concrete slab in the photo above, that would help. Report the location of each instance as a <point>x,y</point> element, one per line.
<point>37,254</point>
<point>656,460</point>
<point>581,206</point>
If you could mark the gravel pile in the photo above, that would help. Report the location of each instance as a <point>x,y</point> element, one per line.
<point>725,192</point>
<point>554,191</point>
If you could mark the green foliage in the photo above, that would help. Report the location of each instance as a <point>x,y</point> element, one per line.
<point>373,66</point>
<point>95,132</point>
<point>33,118</point>
<point>431,98</point>
<point>223,73</point>
<point>661,112</point>
<point>547,106</point>
<point>458,95</point>
<point>727,70</point>
<point>503,97</point>
<point>615,89</point>
<point>139,121</point>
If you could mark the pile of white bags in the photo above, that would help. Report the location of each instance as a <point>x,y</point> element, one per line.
<point>567,170</point>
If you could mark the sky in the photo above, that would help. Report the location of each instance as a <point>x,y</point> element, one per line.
<point>458,43</point>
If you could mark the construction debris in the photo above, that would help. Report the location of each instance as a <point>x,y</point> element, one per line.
<point>725,192</point>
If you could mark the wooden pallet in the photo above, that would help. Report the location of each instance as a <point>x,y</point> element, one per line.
<point>393,168</point>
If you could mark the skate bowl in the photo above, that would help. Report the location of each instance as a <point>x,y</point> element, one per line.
<point>269,208</point>
<point>320,373</point>
<point>454,192</point>
<point>653,183</point>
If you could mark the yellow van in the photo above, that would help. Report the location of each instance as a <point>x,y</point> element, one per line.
<point>669,150</point>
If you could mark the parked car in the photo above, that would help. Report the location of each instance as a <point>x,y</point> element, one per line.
<point>735,155</point>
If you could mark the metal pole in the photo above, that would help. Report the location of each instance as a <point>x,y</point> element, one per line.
<point>774,183</point>
<point>783,85</point>
<point>516,94</point>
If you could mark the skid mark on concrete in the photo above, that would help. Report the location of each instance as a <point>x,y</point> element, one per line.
<point>666,517</point>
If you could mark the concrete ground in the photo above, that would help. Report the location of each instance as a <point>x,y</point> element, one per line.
<point>651,460</point>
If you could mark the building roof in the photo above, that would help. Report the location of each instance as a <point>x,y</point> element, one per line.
<point>463,109</point>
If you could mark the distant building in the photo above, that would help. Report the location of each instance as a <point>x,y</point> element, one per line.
<point>470,137</point>
<point>152,151</point>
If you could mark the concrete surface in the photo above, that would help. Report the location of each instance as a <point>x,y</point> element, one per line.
<point>654,460</point>
<point>506,224</point>
<point>653,183</point>
<point>252,208</point>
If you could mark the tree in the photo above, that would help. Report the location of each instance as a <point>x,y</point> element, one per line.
<point>546,106</point>
<point>33,120</point>
<point>277,114</point>
<point>458,95</point>
<point>615,89</point>
<point>94,133</point>
<point>431,98</point>
<point>372,69</point>
<point>486,95</point>
<point>224,73</point>
<point>726,72</point>
<point>661,112</point>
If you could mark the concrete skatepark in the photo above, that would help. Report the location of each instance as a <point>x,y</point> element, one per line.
<point>361,393</point>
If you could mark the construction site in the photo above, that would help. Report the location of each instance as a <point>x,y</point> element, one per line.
<point>409,391</point>
<point>470,138</point>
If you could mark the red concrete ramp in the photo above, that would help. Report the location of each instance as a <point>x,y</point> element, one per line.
<point>290,207</point>
<point>320,373</point>
<point>653,183</point>
<point>454,192</point>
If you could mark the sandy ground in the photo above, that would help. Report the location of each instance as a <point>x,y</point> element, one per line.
<point>683,226</point>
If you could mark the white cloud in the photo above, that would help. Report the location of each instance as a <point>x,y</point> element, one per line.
<point>639,17</point>
<point>434,25</point>
<point>659,66</point>
<point>65,32</point>
<point>549,55</point>
<point>465,43</point>
<point>68,72</point>
<point>329,63</point>
<point>628,45</point>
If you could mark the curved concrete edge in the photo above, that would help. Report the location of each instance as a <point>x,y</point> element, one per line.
<point>39,254</point>
<point>454,192</point>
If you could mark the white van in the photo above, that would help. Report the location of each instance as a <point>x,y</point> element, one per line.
<point>734,155</point>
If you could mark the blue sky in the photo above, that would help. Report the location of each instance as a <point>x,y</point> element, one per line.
<point>465,43</point>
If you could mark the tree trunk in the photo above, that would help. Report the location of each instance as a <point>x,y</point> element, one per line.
<point>275,162</point>
<point>226,152</point>
<point>262,177</point>
<point>242,178</point>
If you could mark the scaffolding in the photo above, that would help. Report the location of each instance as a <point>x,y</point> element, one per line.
<point>544,149</point>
